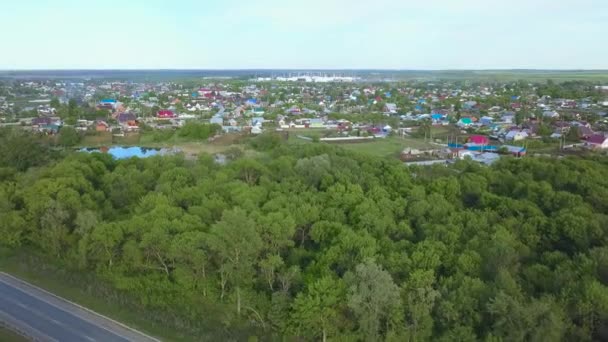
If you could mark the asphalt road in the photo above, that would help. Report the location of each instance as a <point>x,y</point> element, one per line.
<point>45,317</point>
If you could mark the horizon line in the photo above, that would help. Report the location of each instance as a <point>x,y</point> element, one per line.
<point>295,69</point>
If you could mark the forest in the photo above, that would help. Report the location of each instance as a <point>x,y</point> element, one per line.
<point>314,242</point>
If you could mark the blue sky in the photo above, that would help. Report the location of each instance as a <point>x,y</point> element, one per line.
<point>328,34</point>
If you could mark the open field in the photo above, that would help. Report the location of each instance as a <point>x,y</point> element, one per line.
<point>190,147</point>
<point>382,147</point>
<point>388,147</point>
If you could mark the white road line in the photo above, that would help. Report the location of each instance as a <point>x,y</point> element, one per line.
<point>24,289</point>
<point>24,326</point>
<point>57,322</point>
<point>90,338</point>
<point>50,319</point>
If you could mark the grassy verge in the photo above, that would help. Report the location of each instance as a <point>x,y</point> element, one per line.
<point>51,280</point>
<point>9,336</point>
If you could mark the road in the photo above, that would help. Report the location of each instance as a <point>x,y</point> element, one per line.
<point>42,316</point>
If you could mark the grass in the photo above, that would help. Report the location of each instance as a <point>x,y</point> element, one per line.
<point>15,264</point>
<point>190,147</point>
<point>9,336</point>
<point>388,147</point>
<point>381,147</point>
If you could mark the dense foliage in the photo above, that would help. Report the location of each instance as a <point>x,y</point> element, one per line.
<point>317,242</point>
<point>195,130</point>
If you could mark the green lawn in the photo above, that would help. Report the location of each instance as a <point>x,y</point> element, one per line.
<point>48,279</point>
<point>9,336</point>
<point>388,147</point>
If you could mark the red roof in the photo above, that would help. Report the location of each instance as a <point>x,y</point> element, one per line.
<point>479,139</point>
<point>165,114</point>
<point>596,139</point>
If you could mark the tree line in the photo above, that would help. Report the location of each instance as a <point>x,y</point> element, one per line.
<point>315,242</point>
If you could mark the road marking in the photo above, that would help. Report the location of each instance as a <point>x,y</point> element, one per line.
<point>24,288</point>
<point>89,338</point>
<point>29,330</point>
<point>57,322</point>
<point>44,316</point>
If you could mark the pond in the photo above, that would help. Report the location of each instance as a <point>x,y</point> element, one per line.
<point>119,152</point>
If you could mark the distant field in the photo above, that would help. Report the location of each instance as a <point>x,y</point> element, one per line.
<point>365,75</point>
<point>525,75</point>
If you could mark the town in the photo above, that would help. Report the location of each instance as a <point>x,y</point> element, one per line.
<point>315,170</point>
<point>417,121</point>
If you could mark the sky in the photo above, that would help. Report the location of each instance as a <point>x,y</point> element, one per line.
<point>304,34</point>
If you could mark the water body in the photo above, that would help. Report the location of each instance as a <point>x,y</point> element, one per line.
<point>119,152</point>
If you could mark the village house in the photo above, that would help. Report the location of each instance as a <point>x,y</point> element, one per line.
<point>597,141</point>
<point>390,108</point>
<point>479,140</point>
<point>102,126</point>
<point>551,114</point>
<point>584,132</point>
<point>165,114</point>
<point>508,118</point>
<point>128,122</point>
<point>218,120</point>
<point>516,135</point>
<point>257,121</point>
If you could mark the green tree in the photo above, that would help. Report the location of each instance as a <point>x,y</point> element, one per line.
<point>375,300</point>
<point>55,103</point>
<point>573,135</point>
<point>316,312</point>
<point>236,245</point>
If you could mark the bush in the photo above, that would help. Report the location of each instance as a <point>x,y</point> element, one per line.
<point>162,135</point>
<point>68,136</point>
<point>201,131</point>
<point>266,141</point>
<point>233,153</point>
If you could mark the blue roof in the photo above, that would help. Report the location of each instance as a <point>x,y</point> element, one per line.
<point>514,149</point>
